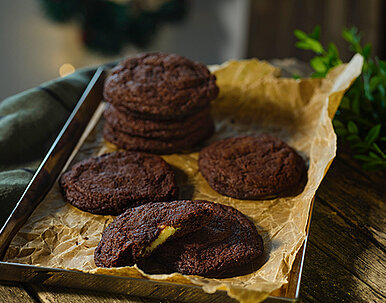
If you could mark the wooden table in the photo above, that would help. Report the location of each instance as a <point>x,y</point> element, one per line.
<point>345,259</point>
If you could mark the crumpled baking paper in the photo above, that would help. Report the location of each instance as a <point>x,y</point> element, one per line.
<point>253,99</point>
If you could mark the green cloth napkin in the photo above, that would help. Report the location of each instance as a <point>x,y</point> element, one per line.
<point>29,123</point>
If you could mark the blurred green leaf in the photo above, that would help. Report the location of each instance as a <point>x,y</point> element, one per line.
<point>318,75</point>
<point>373,134</point>
<point>350,35</point>
<point>338,124</point>
<point>303,45</point>
<point>300,34</point>
<point>378,150</point>
<point>374,82</point>
<point>366,51</point>
<point>341,132</point>
<point>296,76</point>
<point>353,138</point>
<point>363,157</point>
<point>352,127</point>
<point>382,67</point>
<point>316,46</point>
<point>345,103</point>
<point>318,65</point>
<point>374,156</point>
<point>355,105</point>
<point>315,33</point>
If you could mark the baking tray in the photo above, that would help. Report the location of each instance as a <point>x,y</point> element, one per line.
<point>46,175</point>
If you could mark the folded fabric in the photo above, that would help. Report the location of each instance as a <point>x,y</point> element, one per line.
<point>29,122</point>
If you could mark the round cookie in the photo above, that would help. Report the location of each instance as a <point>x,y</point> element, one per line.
<point>111,183</point>
<point>128,142</point>
<point>162,130</point>
<point>252,167</point>
<point>158,84</point>
<point>135,234</point>
<point>229,245</point>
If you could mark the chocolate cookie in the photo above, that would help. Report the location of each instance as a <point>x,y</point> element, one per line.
<point>229,245</point>
<point>111,183</point>
<point>162,85</point>
<point>135,234</point>
<point>170,129</point>
<point>252,167</point>
<point>126,141</point>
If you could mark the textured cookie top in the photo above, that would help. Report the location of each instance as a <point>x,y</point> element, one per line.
<point>221,248</point>
<point>111,183</point>
<point>252,167</point>
<point>128,238</point>
<point>160,84</point>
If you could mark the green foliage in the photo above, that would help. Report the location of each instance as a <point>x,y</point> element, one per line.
<point>326,59</point>
<point>361,118</point>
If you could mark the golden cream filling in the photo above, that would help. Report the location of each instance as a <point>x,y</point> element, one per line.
<point>165,233</point>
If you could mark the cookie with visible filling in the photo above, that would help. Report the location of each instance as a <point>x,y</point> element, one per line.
<point>160,85</point>
<point>136,233</point>
<point>227,246</point>
<point>253,167</point>
<point>113,182</point>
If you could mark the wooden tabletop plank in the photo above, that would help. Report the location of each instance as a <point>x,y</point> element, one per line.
<point>348,246</point>
<point>357,199</point>
<point>14,293</point>
<point>345,259</point>
<point>58,294</point>
<point>325,280</point>
<point>378,178</point>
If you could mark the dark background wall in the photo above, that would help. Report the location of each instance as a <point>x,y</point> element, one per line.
<point>272,24</point>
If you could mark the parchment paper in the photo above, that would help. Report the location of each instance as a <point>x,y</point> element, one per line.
<point>252,99</point>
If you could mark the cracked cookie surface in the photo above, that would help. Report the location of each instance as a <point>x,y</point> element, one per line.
<point>135,234</point>
<point>229,245</point>
<point>252,167</point>
<point>160,85</point>
<point>113,182</point>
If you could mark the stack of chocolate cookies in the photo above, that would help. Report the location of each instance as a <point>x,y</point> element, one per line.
<point>159,103</point>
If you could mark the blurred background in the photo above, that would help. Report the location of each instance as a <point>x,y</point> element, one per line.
<point>44,39</point>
